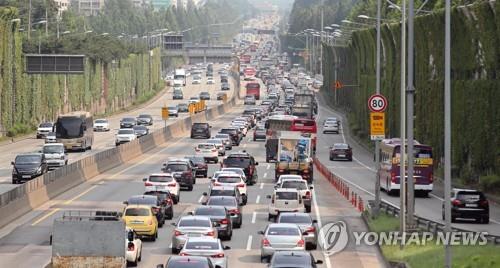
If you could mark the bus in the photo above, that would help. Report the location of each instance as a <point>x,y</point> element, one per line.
<point>180,77</point>
<point>75,130</point>
<point>253,88</point>
<point>307,126</point>
<point>249,73</point>
<point>390,163</point>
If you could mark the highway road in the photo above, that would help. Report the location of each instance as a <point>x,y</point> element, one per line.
<point>361,173</point>
<point>105,140</point>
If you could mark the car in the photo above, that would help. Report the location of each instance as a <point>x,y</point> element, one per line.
<point>280,236</point>
<point>182,171</point>
<point>259,133</point>
<point>163,181</point>
<point>166,200</point>
<point>232,179</point>
<point>208,151</point>
<point>241,126</point>
<point>101,125</point>
<point>200,130</point>
<point>55,155</point>
<point>145,119</point>
<point>469,204</point>
<point>302,187</point>
<point>306,225</point>
<point>28,166</point>
<point>210,80</point>
<point>296,259</point>
<point>224,86</point>
<point>125,135</point>
<point>44,129</point>
<point>152,201</point>
<point>236,170</point>
<point>219,144</point>
<point>232,205</point>
<point>340,151</point>
<point>196,80</point>
<point>199,164</point>
<point>183,107</point>
<point>128,122</point>
<point>173,110</point>
<point>194,99</point>
<point>233,133</point>
<point>204,95</point>
<point>188,262</point>
<point>244,161</point>
<point>206,246</point>
<point>331,127</point>
<point>226,139</point>
<point>133,245</point>
<point>284,177</point>
<point>223,191</point>
<point>249,100</point>
<point>284,200</point>
<point>220,217</point>
<point>221,95</point>
<point>190,226</point>
<point>140,130</point>
<point>142,219</point>
<point>51,138</point>
<point>177,94</point>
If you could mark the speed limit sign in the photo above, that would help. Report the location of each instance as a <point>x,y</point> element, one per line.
<point>377,103</point>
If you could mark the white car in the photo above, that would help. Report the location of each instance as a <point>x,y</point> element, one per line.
<point>44,129</point>
<point>125,135</point>
<point>206,246</point>
<point>210,80</point>
<point>219,144</point>
<point>51,138</point>
<point>173,110</point>
<point>240,125</point>
<point>232,179</point>
<point>55,155</point>
<point>101,125</point>
<point>284,200</point>
<point>282,178</point>
<point>163,181</point>
<point>331,125</point>
<point>196,80</point>
<point>302,186</point>
<point>194,99</point>
<point>133,247</point>
<point>239,171</point>
<point>208,151</point>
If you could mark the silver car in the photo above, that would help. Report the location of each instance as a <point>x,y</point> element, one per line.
<point>219,144</point>
<point>331,125</point>
<point>279,237</point>
<point>191,226</point>
<point>306,225</point>
<point>226,139</point>
<point>207,247</point>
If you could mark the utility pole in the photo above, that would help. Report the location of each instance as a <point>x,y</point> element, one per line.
<point>321,43</point>
<point>377,88</point>
<point>46,20</point>
<point>29,20</point>
<point>410,91</point>
<point>307,51</point>
<point>447,129</point>
<point>402,155</point>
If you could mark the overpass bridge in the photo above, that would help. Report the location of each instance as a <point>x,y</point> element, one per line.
<point>200,53</point>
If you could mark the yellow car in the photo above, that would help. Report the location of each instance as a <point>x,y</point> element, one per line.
<point>142,220</point>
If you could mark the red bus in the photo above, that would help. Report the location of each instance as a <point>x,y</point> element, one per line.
<point>253,88</point>
<point>245,58</point>
<point>390,163</point>
<point>306,126</point>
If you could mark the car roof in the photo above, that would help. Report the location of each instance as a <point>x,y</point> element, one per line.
<point>203,239</point>
<point>194,217</point>
<point>226,187</point>
<point>286,190</point>
<point>222,197</point>
<point>161,175</point>
<point>296,214</point>
<point>138,206</point>
<point>287,225</point>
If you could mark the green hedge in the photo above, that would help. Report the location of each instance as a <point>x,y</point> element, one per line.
<point>475,84</point>
<point>103,88</point>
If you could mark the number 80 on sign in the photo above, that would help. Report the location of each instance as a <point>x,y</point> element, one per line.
<point>377,103</point>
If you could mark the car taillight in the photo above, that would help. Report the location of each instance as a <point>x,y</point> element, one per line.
<point>483,203</point>
<point>214,150</point>
<point>169,201</point>
<point>308,195</point>
<point>178,233</point>
<point>241,185</point>
<point>393,177</point>
<point>217,184</point>
<point>171,185</point>
<point>197,149</point>
<point>305,171</point>
<point>148,184</point>
<point>156,210</point>
<point>130,246</point>
<point>311,229</point>
<point>456,202</point>
<point>224,221</point>
<point>150,222</point>
<point>235,211</point>
<point>211,233</point>
<point>431,178</point>
<point>183,254</point>
<point>186,173</point>
<point>220,255</point>
<point>300,243</point>
<point>265,242</point>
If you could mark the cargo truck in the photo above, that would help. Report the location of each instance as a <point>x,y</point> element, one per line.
<point>294,156</point>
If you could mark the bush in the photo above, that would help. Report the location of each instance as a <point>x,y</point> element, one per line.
<point>490,183</point>
<point>19,129</point>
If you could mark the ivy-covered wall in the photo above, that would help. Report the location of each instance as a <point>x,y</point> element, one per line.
<point>475,84</point>
<point>26,100</point>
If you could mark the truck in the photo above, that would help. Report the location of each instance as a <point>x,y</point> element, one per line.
<point>305,104</point>
<point>253,88</point>
<point>294,156</point>
<point>180,77</point>
<point>89,239</point>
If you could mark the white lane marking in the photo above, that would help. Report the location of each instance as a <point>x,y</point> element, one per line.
<point>268,166</point>
<point>249,242</point>
<point>254,216</point>
<point>199,200</point>
<point>265,174</point>
<point>321,234</point>
<point>261,185</point>
<point>257,200</point>
<point>170,246</point>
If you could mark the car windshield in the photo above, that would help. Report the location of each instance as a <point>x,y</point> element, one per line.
<point>140,128</point>
<point>172,107</point>
<point>202,245</point>
<point>222,136</point>
<point>53,149</point>
<point>160,178</point>
<point>28,159</point>
<point>45,125</point>
<point>128,120</point>
<point>208,211</point>
<point>160,195</point>
<point>235,170</point>
<point>184,263</point>
<point>197,125</point>
<point>300,185</point>
<point>228,179</point>
<point>137,212</point>
<point>222,202</point>
<point>205,146</point>
<point>183,105</point>
<point>283,231</point>
<point>214,141</point>
<point>221,192</point>
<point>142,201</point>
<point>194,223</point>
<point>295,219</point>
<point>101,121</point>
<point>340,146</point>
<point>69,127</point>
<point>237,161</point>
<point>286,195</point>
<point>176,168</point>
<point>144,116</point>
<point>126,131</point>
<point>196,159</point>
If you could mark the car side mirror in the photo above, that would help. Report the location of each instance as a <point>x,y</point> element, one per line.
<point>319,262</point>
<point>268,196</point>
<point>204,194</point>
<point>191,213</point>
<point>209,126</point>
<point>218,266</point>
<point>315,221</point>
<point>261,232</point>
<point>40,151</point>
<point>256,163</point>
<point>144,179</point>
<point>173,224</point>
<point>227,247</point>
<point>311,187</point>
<point>125,203</point>
<point>160,266</point>
<point>305,233</point>
<point>12,163</point>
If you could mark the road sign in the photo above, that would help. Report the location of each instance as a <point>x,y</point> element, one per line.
<point>164,113</point>
<point>377,103</point>
<point>377,126</point>
<point>338,84</point>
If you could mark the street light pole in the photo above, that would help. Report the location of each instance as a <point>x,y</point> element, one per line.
<point>377,88</point>
<point>321,43</point>
<point>402,127</point>
<point>447,129</point>
<point>410,91</point>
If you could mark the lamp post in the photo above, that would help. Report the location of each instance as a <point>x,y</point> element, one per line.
<point>447,129</point>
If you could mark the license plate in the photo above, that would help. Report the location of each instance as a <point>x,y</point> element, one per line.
<point>194,235</point>
<point>471,205</point>
<point>341,155</point>
<point>26,176</point>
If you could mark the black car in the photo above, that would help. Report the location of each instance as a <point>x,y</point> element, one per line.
<point>145,119</point>
<point>220,217</point>
<point>128,122</point>
<point>189,262</point>
<point>166,200</point>
<point>245,161</point>
<point>177,95</point>
<point>182,171</point>
<point>140,131</point>
<point>183,107</point>
<point>204,95</point>
<point>296,259</point>
<point>341,151</point>
<point>471,204</point>
<point>200,165</point>
<point>28,166</point>
<point>200,130</point>
<point>152,201</point>
<point>220,95</point>
<point>232,205</point>
<point>259,133</point>
<point>224,86</point>
<point>234,134</point>
<point>223,191</point>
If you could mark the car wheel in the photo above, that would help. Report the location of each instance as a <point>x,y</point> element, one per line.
<point>140,255</point>
<point>134,263</point>
<point>190,187</point>
<point>170,214</point>
<point>485,220</point>
<point>175,250</point>
<point>308,209</point>
<point>153,237</point>
<point>270,217</point>
<point>216,160</point>
<point>176,199</point>
<point>194,180</point>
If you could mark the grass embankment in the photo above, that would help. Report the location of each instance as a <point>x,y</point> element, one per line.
<point>432,255</point>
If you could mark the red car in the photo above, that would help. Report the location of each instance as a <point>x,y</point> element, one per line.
<point>341,151</point>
